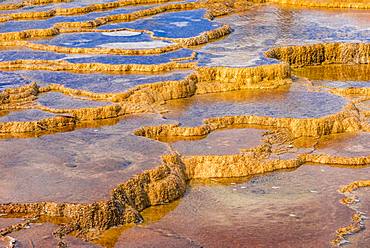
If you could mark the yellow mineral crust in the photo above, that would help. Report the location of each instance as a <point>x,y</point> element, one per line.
<point>29,34</point>
<point>97,50</point>
<point>12,6</point>
<point>168,181</point>
<point>74,11</point>
<point>354,186</point>
<point>256,161</point>
<point>230,79</point>
<point>211,80</point>
<point>348,120</point>
<point>193,56</point>
<point>355,227</point>
<point>323,53</point>
<point>332,160</point>
<point>178,43</point>
<point>76,92</point>
<point>152,187</point>
<point>68,27</point>
<point>127,17</point>
<point>203,38</point>
<point>267,76</point>
<point>351,91</point>
<point>204,80</point>
<point>54,123</point>
<point>65,27</point>
<point>67,119</point>
<point>215,8</point>
<point>23,94</point>
<point>90,114</point>
<point>239,165</point>
<point>58,65</point>
<point>142,98</point>
<point>358,217</point>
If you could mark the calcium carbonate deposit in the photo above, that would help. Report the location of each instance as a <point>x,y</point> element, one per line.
<point>206,123</point>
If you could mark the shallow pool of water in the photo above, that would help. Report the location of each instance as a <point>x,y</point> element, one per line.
<point>77,166</point>
<point>285,103</point>
<point>94,82</point>
<point>263,27</point>
<point>297,208</point>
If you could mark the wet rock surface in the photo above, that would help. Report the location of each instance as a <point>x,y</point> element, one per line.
<point>124,123</point>
<point>78,166</point>
<point>230,212</point>
<point>291,104</point>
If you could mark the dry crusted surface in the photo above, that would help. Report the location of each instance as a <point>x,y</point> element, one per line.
<point>168,181</point>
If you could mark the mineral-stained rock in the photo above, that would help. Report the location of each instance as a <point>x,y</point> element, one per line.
<point>177,43</point>
<point>168,181</point>
<point>348,120</point>
<point>157,186</point>
<point>25,3</point>
<point>354,186</point>
<point>358,217</point>
<point>356,4</point>
<point>323,53</point>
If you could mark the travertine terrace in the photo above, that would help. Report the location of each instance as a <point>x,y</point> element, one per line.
<point>129,74</point>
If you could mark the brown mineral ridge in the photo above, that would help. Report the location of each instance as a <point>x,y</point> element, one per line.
<point>79,166</point>
<point>304,211</point>
<point>322,53</point>
<point>363,239</point>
